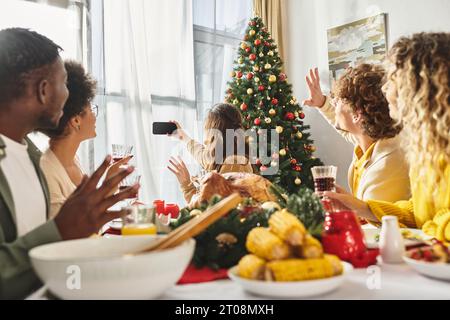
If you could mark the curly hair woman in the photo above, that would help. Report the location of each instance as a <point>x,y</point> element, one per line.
<point>419,96</point>
<point>360,113</point>
<point>60,163</point>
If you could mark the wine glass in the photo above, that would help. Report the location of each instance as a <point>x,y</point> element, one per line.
<point>120,151</point>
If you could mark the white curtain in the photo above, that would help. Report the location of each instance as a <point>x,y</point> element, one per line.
<point>148,75</point>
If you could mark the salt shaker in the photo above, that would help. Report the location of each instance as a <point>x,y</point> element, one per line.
<point>392,247</point>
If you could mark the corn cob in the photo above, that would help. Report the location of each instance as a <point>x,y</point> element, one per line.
<point>288,227</point>
<point>338,268</point>
<point>266,245</point>
<point>311,248</point>
<point>301,269</point>
<point>251,267</point>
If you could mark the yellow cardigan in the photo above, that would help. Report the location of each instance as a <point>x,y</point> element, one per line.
<point>433,217</point>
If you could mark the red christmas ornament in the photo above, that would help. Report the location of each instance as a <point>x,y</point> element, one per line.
<point>289,116</point>
<point>257,121</point>
<point>244,107</point>
<point>282,77</point>
<point>248,49</point>
<point>301,115</point>
<point>298,168</point>
<point>249,76</point>
<point>239,74</point>
<point>293,161</point>
<point>274,101</point>
<point>261,88</point>
<point>261,104</point>
<point>252,57</point>
<point>266,43</point>
<point>252,23</point>
<point>257,42</point>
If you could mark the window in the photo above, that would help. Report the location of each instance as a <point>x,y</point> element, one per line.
<point>219,27</point>
<point>67,16</point>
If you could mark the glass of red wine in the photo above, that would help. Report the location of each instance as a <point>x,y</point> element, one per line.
<point>324,179</point>
<point>120,151</point>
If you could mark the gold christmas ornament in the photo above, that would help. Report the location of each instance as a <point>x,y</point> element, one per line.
<point>268,120</point>
<point>272,112</point>
<point>243,45</point>
<point>282,152</point>
<point>272,78</point>
<point>256,68</point>
<point>299,135</point>
<point>232,74</point>
<point>240,60</point>
<point>267,66</point>
<point>249,91</point>
<point>252,33</point>
<point>257,80</point>
<point>279,129</point>
<point>261,55</point>
<point>270,53</point>
<point>235,101</point>
<point>298,181</point>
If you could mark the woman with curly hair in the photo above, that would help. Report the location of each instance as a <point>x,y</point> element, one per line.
<point>59,163</point>
<point>360,113</point>
<point>418,92</point>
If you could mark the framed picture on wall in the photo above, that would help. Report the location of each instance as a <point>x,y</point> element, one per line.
<point>362,41</point>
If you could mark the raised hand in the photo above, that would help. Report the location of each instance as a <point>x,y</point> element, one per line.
<point>86,210</point>
<point>179,133</point>
<point>179,169</point>
<point>316,97</point>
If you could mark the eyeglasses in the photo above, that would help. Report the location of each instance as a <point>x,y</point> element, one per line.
<point>94,109</point>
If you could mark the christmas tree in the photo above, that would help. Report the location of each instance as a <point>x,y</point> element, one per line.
<point>261,91</point>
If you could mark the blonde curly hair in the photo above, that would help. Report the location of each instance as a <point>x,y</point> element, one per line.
<point>419,68</point>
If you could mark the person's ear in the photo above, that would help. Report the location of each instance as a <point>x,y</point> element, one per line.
<point>75,123</point>
<point>43,88</point>
<point>356,117</point>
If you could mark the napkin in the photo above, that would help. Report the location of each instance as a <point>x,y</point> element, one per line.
<point>199,275</point>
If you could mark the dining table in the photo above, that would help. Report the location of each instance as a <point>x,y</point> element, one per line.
<point>378,282</point>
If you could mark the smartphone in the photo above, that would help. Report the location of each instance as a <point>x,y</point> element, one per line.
<point>164,128</point>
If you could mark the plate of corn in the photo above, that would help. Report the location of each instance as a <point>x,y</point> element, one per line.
<point>284,261</point>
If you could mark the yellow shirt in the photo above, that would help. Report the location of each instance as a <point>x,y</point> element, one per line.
<point>359,165</point>
<point>423,211</point>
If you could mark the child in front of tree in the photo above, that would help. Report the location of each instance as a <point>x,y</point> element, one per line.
<point>220,118</point>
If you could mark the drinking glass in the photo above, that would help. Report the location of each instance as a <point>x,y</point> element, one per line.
<point>324,179</point>
<point>140,220</point>
<point>120,151</point>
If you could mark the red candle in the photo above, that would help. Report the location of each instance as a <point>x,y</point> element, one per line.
<point>159,206</point>
<point>173,210</point>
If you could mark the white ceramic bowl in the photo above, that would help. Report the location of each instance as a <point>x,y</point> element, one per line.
<point>297,289</point>
<point>102,270</point>
<point>430,269</point>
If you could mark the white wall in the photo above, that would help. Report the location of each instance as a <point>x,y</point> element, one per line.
<point>306,41</point>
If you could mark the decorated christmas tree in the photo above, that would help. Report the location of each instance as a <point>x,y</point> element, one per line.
<point>261,90</point>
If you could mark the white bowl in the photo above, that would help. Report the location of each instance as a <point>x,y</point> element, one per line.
<point>99,268</point>
<point>297,289</point>
<point>435,270</point>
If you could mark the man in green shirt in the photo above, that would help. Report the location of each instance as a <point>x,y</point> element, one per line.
<point>32,95</point>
